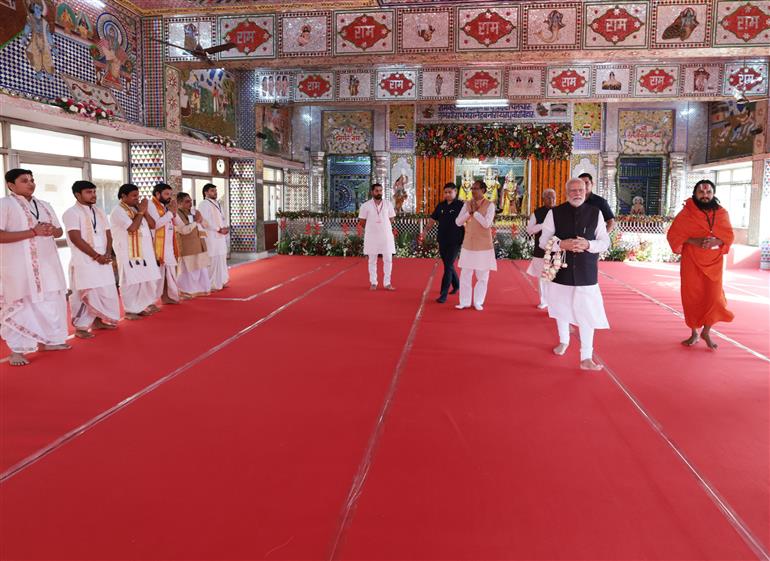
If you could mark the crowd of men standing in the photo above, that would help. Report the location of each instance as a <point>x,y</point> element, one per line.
<point>165,251</point>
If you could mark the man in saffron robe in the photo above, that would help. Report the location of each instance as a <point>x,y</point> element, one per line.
<point>702,234</point>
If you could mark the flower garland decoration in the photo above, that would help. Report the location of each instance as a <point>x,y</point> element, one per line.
<point>543,142</point>
<point>225,141</point>
<point>553,260</point>
<point>87,108</point>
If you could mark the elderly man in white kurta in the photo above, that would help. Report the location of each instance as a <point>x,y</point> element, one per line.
<point>216,236</point>
<point>94,302</point>
<point>534,228</point>
<point>193,257</point>
<point>573,296</point>
<point>162,211</point>
<point>477,256</point>
<point>138,271</point>
<point>33,305</point>
<point>375,216</point>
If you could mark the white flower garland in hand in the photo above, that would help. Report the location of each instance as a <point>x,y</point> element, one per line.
<point>553,260</point>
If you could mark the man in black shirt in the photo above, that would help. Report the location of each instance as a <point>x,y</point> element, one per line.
<point>599,202</point>
<point>450,238</point>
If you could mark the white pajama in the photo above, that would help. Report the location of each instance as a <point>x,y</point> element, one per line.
<point>586,338</point>
<point>535,269</point>
<point>479,292</point>
<point>88,304</point>
<point>26,323</point>
<point>387,268</point>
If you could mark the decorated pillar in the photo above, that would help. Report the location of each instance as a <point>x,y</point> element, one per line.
<point>380,171</point>
<point>318,199</point>
<point>247,234</point>
<point>609,170</point>
<point>677,177</point>
<point>174,164</point>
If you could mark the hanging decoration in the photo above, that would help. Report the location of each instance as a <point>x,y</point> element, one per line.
<point>543,142</point>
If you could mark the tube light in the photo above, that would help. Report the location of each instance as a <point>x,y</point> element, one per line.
<point>481,103</point>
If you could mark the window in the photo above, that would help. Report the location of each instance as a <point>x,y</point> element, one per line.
<point>53,184</point>
<point>108,180</point>
<point>196,163</point>
<point>106,150</point>
<point>46,142</point>
<point>272,180</point>
<point>734,193</point>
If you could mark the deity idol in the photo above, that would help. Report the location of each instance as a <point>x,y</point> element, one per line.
<point>510,198</point>
<point>493,185</point>
<point>465,187</point>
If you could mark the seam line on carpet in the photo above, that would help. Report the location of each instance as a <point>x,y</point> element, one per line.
<point>679,314</point>
<point>72,434</point>
<point>267,290</point>
<point>359,479</point>
<point>721,503</point>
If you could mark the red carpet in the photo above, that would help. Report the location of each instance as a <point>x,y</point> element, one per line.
<point>491,447</point>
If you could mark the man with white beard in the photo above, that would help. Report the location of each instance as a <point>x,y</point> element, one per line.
<point>216,236</point>
<point>573,296</point>
<point>534,228</point>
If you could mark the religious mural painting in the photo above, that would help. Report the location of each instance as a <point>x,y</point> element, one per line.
<point>318,86</point>
<point>401,127</point>
<point>355,85</point>
<point>731,130</point>
<point>276,126</point>
<point>347,132</point>
<point>488,28</point>
<point>618,26</point>
<point>396,84</point>
<point>425,30</point>
<point>554,25</point>
<point>750,78</point>
<point>83,91</point>
<point>253,36</point>
<point>656,80</point>
<point>587,126</point>
<point>487,82</point>
<point>207,101</point>
<point>274,87</point>
<point>190,33</point>
<point>305,34</point>
<point>568,81</point>
<point>402,179</point>
<point>701,79</point>
<point>438,83</point>
<point>36,21</point>
<point>681,23</point>
<point>76,23</point>
<point>526,81</point>
<point>645,131</point>
<point>112,55</point>
<point>612,80</point>
<point>364,32</point>
<point>742,23</point>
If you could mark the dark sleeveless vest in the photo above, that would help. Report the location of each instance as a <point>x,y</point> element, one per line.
<point>570,222</point>
<point>540,214</point>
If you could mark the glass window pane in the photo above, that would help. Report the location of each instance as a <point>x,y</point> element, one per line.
<point>48,142</point>
<point>742,174</point>
<point>194,162</point>
<point>53,184</point>
<point>724,176</point>
<point>108,180</point>
<point>106,150</point>
<point>268,174</point>
<point>279,175</point>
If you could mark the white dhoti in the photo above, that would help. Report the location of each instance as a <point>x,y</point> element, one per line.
<point>88,304</point>
<point>138,296</point>
<point>218,272</point>
<point>582,306</point>
<point>168,280</point>
<point>193,283</point>
<point>535,269</point>
<point>26,323</point>
<point>478,263</point>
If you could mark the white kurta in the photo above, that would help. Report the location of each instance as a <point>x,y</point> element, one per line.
<point>33,306</point>
<point>378,232</point>
<point>483,260</point>
<point>94,294</point>
<point>216,243</point>
<point>536,266</point>
<point>579,305</point>
<point>168,269</point>
<point>193,277</point>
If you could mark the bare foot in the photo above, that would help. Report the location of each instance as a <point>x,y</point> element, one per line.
<point>692,339</point>
<point>152,308</point>
<point>560,349</point>
<point>589,364</point>
<point>707,338</point>
<point>83,334</point>
<point>17,359</point>
<point>390,287</point>
<point>169,301</point>
<point>99,324</point>
<point>133,317</point>
<point>62,347</point>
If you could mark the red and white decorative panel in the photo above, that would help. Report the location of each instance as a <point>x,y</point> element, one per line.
<point>253,36</point>
<point>656,80</point>
<point>475,82</point>
<point>742,23</point>
<point>355,85</point>
<point>488,28</point>
<point>568,81</point>
<point>314,86</point>
<point>701,79</point>
<point>613,80</point>
<point>396,84</point>
<point>305,34</point>
<point>438,83</point>
<point>526,81</point>
<point>750,78</point>
<point>364,32</point>
<point>425,30</point>
<point>681,23</point>
<point>554,25</point>
<point>618,26</point>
